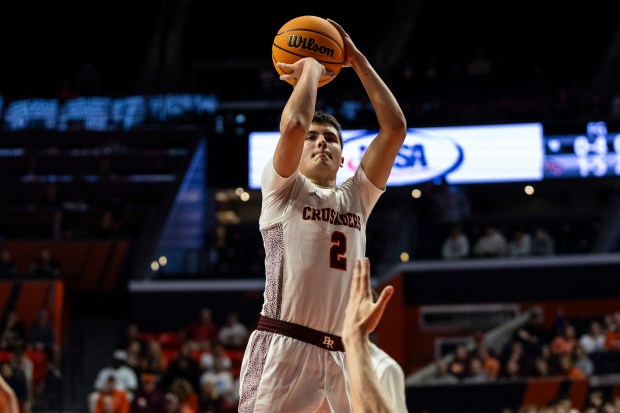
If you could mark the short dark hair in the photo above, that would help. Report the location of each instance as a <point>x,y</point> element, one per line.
<point>326,118</point>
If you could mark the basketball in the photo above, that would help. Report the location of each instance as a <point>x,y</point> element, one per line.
<point>309,36</point>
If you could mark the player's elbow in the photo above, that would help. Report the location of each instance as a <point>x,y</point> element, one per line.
<point>397,130</point>
<point>294,126</point>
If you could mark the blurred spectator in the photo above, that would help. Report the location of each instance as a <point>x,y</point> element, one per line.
<point>516,362</point>
<point>24,367</point>
<point>202,332</point>
<point>132,333</point>
<point>491,244</point>
<point>188,399</point>
<point>182,366</point>
<point>520,245</point>
<point>541,367</point>
<point>44,265</point>
<point>125,378</point>
<point>532,335</point>
<point>8,266</point>
<point>442,374</point>
<point>43,333</point>
<point>490,363</point>
<point>511,369</point>
<point>459,364</point>
<point>148,398</point>
<point>456,245</point>
<point>173,405</point>
<point>153,360</point>
<point>610,323</point>
<point>12,332</point>
<point>583,361</point>
<point>476,372</point>
<point>616,401</point>
<point>612,335</point>
<point>594,339</point>
<point>565,342</point>
<point>233,334</point>
<point>134,356</point>
<point>50,395</point>
<point>566,367</point>
<point>208,358</point>
<point>111,399</point>
<point>542,243</point>
<point>451,205</point>
<point>106,405</point>
<point>211,401</point>
<point>596,398</point>
<point>222,379</point>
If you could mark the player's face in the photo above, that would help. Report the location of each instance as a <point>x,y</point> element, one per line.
<point>322,154</point>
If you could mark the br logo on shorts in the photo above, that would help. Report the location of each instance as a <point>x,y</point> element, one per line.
<point>328,342</point>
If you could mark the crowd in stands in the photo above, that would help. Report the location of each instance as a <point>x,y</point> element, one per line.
<point>572,349</point>
<point>30,361</point>
<point>494,244</point>
<point>194,370</point>
<point>43,265</point>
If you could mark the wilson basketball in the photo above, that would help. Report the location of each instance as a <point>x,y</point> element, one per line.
<point>309,36</point>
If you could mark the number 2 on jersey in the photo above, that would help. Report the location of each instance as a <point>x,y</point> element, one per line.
<point>337,258</point>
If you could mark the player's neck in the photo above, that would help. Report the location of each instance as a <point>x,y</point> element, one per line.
<point>323,182</point>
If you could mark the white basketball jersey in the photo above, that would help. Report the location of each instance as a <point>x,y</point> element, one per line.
<point>312,236</point>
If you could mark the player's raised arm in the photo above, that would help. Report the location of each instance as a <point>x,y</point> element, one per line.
<point>381,153</point>
<point>361,318</point>
<point>297,113</point>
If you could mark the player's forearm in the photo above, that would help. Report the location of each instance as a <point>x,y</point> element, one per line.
<point>366,393</point>
<point>296,119</point>
<point>299,108</point>
<point>387,109</point>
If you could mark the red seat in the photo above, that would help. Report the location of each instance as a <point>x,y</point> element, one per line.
<point>170,340</point>
<point>39,362</point>
<point>167,355</point>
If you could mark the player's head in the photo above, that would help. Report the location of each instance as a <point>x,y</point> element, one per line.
<point>327,119</point>
<point>322,152</point>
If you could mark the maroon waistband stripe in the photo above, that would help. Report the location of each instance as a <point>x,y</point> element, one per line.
<point>302,333</point>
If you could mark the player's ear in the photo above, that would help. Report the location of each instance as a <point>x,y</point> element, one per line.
<point>341,161</point>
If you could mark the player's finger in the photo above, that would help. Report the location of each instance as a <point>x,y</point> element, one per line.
<point>356,282</point>
<point>384,297</point>
<point>365,280</point>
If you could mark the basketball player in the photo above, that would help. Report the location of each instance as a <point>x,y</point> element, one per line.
<point>313,232</point>
<point>362,315</point>
<point>390,374</point>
